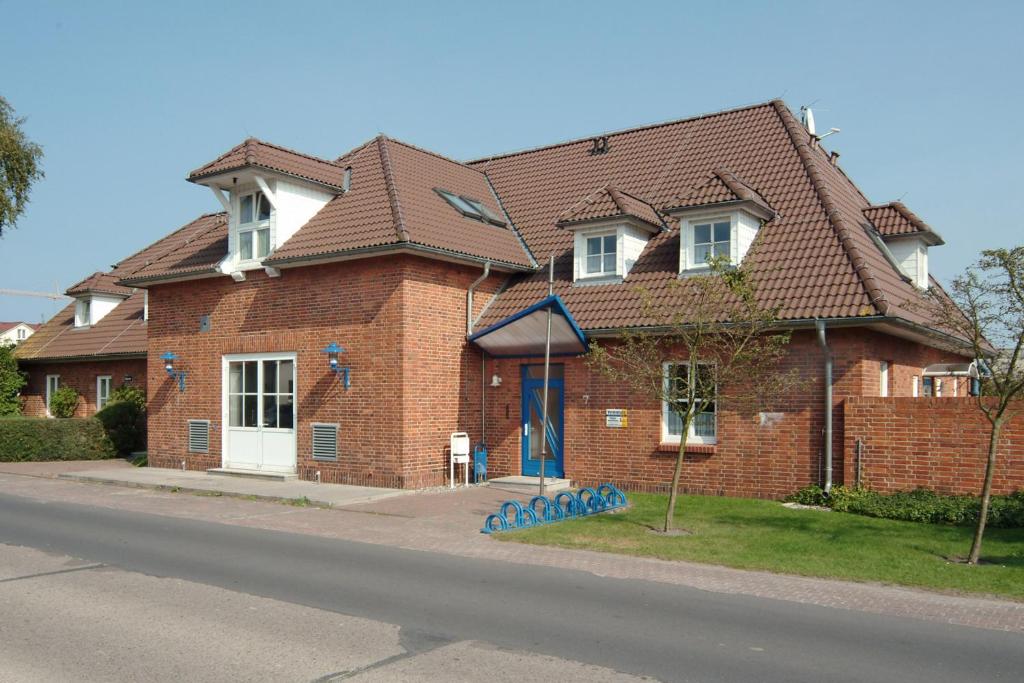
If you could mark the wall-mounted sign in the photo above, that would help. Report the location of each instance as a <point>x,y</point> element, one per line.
<point>616,418</point>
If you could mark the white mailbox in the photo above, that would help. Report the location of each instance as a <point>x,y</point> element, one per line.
<point>459,454</point>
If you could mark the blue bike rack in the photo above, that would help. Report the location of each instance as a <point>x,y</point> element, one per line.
<point>543,510</point>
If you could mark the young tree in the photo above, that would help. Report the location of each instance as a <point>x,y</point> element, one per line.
<point>19,166</point>
<point>11,381</point>
<point>985,307</point>
<point>719,346</point>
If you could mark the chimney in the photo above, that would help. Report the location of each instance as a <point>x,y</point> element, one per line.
<point>834,158</point>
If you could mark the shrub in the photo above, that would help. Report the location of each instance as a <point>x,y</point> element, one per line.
<point>11,381</point>
<point>63,402</point>
<point>921,505</point>
<point>125,423</point>
<point>40,439</point>
<point>129,394</point>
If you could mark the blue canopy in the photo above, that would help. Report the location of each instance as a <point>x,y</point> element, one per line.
<point>523,333</point>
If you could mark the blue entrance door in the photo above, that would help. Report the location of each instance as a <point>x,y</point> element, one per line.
<point>533,412</point>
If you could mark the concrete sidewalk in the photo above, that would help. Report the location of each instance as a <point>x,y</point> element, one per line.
<point>327,495</point>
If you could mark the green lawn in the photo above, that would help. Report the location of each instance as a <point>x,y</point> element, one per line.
<point>758,534</point>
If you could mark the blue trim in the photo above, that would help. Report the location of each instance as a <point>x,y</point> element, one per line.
<point>555,441</point>
<point>555,301</point>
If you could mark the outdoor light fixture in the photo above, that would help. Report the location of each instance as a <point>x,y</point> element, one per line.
<point>179,375</point>
<point>333,351</point>
<point>495,381</point>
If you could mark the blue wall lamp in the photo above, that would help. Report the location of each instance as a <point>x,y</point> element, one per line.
<point>333,351</point>
<point>179,375</point>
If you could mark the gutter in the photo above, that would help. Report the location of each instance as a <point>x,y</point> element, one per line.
<point>395,248</point>
<point>823,342</point>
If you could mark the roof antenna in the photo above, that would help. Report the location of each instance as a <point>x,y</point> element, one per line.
<point>807,118</point>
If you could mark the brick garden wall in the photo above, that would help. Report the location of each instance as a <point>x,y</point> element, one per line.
<point>81,376</point>
<point>937,443</point>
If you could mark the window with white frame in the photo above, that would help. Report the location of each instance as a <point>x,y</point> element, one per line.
<point>83,312</point>
<point>21,334</point>
<point>103,383</point>
<point>711,238</point>
<point>601,257</point>
<point>253,226</point>
<point>883,378</point>
<point>679,377</point>
<point>52,384</point>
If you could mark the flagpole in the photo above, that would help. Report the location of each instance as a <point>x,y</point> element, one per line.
<point>547,370</point>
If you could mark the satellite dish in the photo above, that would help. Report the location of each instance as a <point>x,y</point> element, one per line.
<point>808,119</point>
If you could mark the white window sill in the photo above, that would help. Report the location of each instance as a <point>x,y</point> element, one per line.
<point>587,280</point>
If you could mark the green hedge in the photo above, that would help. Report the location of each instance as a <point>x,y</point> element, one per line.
<point>921,505</point>
<point>26,439</point>
<point>125,423</point>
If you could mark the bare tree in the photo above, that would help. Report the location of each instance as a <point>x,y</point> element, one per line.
<point>718,346</point>
<point>985,307</point>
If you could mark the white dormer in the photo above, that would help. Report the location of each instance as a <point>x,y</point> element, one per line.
<point>92,308</point>
<point>715,233</point>
<point>911,257</point>
<point>610,230</point>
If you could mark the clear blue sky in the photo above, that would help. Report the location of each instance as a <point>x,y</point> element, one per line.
<point>126,98</point>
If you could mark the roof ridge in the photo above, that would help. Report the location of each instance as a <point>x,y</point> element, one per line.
<point>622,131</point>
<point>289,150</point>
<point>392,188</point>
<point>832,212</point>
<point>352,153</point>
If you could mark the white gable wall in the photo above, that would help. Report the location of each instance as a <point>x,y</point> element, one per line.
<point>631,243</point>
<point>296,204</point>
<point>912,258</point>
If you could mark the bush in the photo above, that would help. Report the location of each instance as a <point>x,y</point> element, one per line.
<point>11,381</point>
<point>125,423</point>
<point>26,439</point>
<point>129,394</point>
<point>63,402</point>
<point>921,505</point>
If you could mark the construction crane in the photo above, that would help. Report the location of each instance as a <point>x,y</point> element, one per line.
<point>53,296</point>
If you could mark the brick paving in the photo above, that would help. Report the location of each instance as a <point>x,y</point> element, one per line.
<point>449,522</point>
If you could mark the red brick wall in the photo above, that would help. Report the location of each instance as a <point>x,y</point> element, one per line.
<point>81,376</point>
<point>939,444</point>
<point>750,459</point>
<point>401,320</point>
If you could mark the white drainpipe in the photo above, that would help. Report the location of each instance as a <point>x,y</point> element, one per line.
<point>469,297</point>
<point>819,325</point>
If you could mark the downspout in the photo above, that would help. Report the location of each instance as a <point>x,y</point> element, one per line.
<point>483,354</point>
<point>819,325</point>
<point>469,297</point>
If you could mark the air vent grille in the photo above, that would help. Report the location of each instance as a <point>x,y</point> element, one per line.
<point>198,436</point>
<point>325,441</point>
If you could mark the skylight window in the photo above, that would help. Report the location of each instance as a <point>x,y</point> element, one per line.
<point>471,208</point>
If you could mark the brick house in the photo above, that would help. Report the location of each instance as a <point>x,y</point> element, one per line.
<point>15,332</point>
<point>427,274</point>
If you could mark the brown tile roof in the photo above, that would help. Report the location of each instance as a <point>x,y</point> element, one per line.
<point>99,283</point>
<point>610,202</point>
<point>122,332</point>
<point>895,220</point>
<point>721,186</point>
<point>393,202</point>
<point>9,324</point>
<point>259,154</point>
<point>194,249</point>
<point>813,257</point>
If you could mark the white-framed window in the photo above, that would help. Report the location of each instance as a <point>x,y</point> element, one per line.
<point>938,387</point>
<point>704,426</point>
<point>883,378</point>
<point>103,383</point>
<point>601,255</point>
<point>928,387</point>
<point>52,384</point>
<point>253,226</point>
<point>83,313</point>
<point>711,238</point>
<point>915,389</point>
<point>22,334</point>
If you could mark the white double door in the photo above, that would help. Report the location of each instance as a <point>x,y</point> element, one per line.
<point>259,412</point>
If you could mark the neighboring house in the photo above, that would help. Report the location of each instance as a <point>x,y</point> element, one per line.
<point>95,344</point>
<point>16,332</point>
<point>426,274</point>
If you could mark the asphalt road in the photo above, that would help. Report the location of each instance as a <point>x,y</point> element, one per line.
<point>435,600</point>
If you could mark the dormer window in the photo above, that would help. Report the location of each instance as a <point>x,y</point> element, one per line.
<point>253,226</point>
<point>83,313</point>
<point>711,239</point>
<point>601,255</point>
